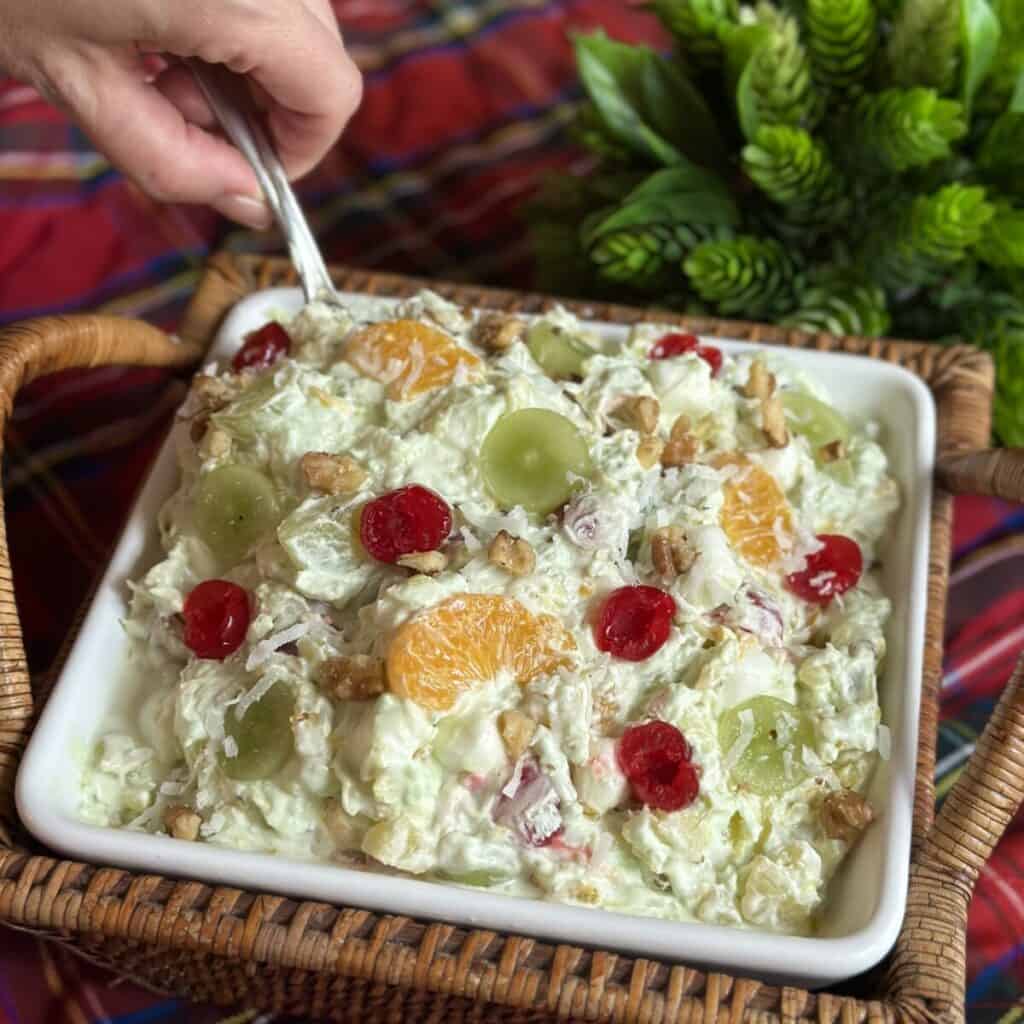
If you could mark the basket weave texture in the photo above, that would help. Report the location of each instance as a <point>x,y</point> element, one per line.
<point>266,952</point>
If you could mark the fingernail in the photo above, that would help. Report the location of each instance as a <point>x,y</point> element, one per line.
<point>247,210</point>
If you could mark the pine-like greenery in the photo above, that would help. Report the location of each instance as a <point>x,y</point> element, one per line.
<point>853,166</point>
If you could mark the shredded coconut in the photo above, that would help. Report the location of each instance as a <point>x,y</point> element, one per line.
<point>883,740</point>
<point>746,736</point>
<point>230,747</point>
<point>265,648</point>
<point>512,786</point>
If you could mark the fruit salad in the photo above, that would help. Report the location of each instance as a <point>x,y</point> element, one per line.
<point>509,604</point>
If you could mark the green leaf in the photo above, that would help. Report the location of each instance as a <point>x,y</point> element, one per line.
<point>1001,154</point>
<point>678,112</point>
<point>924,44</point>
<point>1016,105</point>
<point>646,103</point>
<point>1002,244</point>
<point>745,276</point>
<point>697,26</point>
<point>675,195</point>
<point>795,171</point>
<point>897,129</point>
<point>979,30</point>
<point>842,40</point>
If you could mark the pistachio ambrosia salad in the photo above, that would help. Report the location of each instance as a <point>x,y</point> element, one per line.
<point>513,606</point>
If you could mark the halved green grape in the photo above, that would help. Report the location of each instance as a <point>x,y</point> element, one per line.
<point>556,350</point>
<point>235,507</point>
<point>773,760</point>
<point>532,458</point>
<point>821,425</point>
<point>263,735</point>
<point>482,878</point>
<point>815,420</point>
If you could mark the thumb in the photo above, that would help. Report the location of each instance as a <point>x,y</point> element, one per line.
<point>173,160</point>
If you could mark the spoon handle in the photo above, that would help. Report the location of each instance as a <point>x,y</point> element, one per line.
<point>233,107</point>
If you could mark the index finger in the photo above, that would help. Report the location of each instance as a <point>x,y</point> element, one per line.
<point>295,58</point>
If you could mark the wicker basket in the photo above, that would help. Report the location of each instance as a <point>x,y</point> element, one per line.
<point>266,952</point>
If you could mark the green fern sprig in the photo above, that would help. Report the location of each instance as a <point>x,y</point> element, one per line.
<point>897,129</point>
<point>924,45</point>
<point>747,275</point>
<point>641,257</point>
<point>696,25</point>
<point>916,246</point>
<point>842,37</point>
<point>1002,242</point>
<point>795,171</point>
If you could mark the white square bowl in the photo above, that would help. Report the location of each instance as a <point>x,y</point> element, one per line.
<point>866,900</point>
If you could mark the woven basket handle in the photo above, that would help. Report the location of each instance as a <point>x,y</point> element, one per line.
<point>928,968</point>
<point>29,350</point>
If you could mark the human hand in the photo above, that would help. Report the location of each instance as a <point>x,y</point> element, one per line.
<point>102,61</point>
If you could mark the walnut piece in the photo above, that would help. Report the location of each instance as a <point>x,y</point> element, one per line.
<point>760,383</point>
<point>638,412</point>
<point>517,731</point>
<point>648,451</point>
<point>211,393</point>
<point>429,563</point>
<point>332,474</point>
<point>773,422</point>
<point>833,451</point>
<point>845,814</point>
<point>215,443</point>
<point>497,332</point>
<point>355,677</point>
<point>680,451</point>
<point>182,822</point>
<point>682,428</point>
<point>671,553</point>
<point>513,554</point>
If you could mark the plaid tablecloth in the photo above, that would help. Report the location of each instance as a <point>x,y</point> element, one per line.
<point>466,105</point>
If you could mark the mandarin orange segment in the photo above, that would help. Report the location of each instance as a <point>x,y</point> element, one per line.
<point>755,514</point>
<point>467,641</point>
<point>410,357</point>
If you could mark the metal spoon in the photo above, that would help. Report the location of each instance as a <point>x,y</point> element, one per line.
<point>233,107</point>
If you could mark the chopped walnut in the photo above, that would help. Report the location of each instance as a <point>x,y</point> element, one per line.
<point>648,451</point>
<point>211,393</point>
<point>682,428</point>
<point>638,412</point>
<point>429,563</point>
<point>332,474</point>
<point>355,677</point>
<point>498,332</point>
<point>671,552</point>
<point>517,731</point>
<point>513,554</point>
<point>845,814</point>
<point>773,422</point>
<point>760,383</point>
<point>680,452</point>
<point>215,443</point>
<point>182,822</point>
<point>833,451</point>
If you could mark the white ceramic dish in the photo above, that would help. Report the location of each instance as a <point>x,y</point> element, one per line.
<point>867,898</point>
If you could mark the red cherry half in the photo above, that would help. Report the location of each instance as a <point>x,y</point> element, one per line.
<point>217,617</point>
<point>262,348</point>
<point>832,570</point>
<point>680,344</point>
<point>405,522</point>
<point>655,757</point>
<point>634,622</point>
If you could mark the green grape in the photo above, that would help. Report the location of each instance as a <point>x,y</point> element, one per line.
<point>821,425</point>
<point>815,420</point>
<point>779,728</point>
<point>531,458</point>
<point>556,350</point>
<point>235,507</point>
<point>263,735</point>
